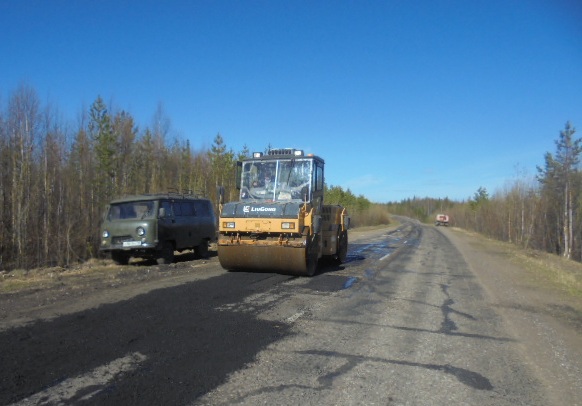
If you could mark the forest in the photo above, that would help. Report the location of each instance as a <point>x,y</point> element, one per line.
<point>542,212</point>
<point>56,179</point>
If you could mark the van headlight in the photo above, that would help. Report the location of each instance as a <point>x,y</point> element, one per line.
<point>105,234</point>
<point>140,231</point>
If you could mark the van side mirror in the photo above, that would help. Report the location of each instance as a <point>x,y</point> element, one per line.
<point>105,213</point>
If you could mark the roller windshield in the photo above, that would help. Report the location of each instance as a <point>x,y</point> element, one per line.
<point>277,180</point>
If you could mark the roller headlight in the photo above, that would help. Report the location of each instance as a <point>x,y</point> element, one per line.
<point>228,224</point>
<point>288,226</point>
<point>140,231</point>
<point>105,234</point>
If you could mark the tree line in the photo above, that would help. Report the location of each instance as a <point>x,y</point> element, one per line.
<point>56,178</point>
<point>542,212</point>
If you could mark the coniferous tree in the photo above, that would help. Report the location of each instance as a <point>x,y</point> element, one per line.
<point>124,134</point>
<point>222,164</point>
<point>104,147</point>
<point>558,179</point>
<point>143,162</point>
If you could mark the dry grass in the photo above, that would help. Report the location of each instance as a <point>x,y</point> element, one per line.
<point>548,269</point>
<point>374,216</point>
<point>19,279</point>
<point>564,274</point>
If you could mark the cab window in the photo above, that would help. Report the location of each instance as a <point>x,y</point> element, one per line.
<point>319,177</point>
<point>167,209</point>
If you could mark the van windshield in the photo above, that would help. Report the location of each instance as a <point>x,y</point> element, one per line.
<point>276,180</point>
<point>131,210</point>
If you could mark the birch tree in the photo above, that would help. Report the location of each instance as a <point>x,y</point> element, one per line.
<point>23,121</point>
<point>5,176</point>
<point>558,179</point>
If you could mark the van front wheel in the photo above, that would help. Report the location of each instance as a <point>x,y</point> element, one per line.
<point>166,255</point>
<point>120,258</point>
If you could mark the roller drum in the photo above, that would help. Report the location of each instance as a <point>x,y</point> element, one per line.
<point>267,258</point>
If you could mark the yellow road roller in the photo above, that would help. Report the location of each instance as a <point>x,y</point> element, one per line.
<point>280,224</point>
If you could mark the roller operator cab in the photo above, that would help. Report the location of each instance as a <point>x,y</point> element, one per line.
<point>280,223</point>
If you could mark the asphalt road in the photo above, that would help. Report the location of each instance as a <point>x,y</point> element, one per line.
<point>403,322</point>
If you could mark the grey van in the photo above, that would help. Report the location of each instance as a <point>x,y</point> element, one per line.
<point>154,226</point>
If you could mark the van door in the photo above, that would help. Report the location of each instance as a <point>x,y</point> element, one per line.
<point>166,221</point>
<point>207,221</point>
<point>189,234</point>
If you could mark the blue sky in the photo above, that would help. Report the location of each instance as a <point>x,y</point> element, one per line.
<point>401,98</point>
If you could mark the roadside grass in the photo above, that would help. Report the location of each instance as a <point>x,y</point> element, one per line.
<point>564,274</point>
<point>548,269</point>
<point>375,216</point>
<point>41,278</point>
<point>92,272</point>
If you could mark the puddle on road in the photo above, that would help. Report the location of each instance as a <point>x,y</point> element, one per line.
<point>369,273</point>
<point>354,257</point>
<point>383,247</point>
<point>359,252</point>
<point>331,283</point>
<point>349,283</point>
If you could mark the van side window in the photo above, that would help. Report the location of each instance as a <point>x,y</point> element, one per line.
<point>187,209</point>
<point>202,208</point>
<point>176,206</point>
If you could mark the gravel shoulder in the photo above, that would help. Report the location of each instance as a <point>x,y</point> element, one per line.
<point>538,297</point>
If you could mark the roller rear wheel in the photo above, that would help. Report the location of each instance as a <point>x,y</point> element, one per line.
<point>311,264</point>
<point>311,257</point>
<point>342,249</point>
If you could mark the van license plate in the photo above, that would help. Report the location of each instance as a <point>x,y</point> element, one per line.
<point>131,243</point>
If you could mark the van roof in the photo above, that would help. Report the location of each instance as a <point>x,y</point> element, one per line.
<point>157,196</point>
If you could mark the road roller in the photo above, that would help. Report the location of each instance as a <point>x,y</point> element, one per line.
<point>280,223</point>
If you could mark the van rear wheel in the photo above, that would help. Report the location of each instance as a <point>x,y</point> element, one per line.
<point>166,255</point>
<point>202,249</point>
